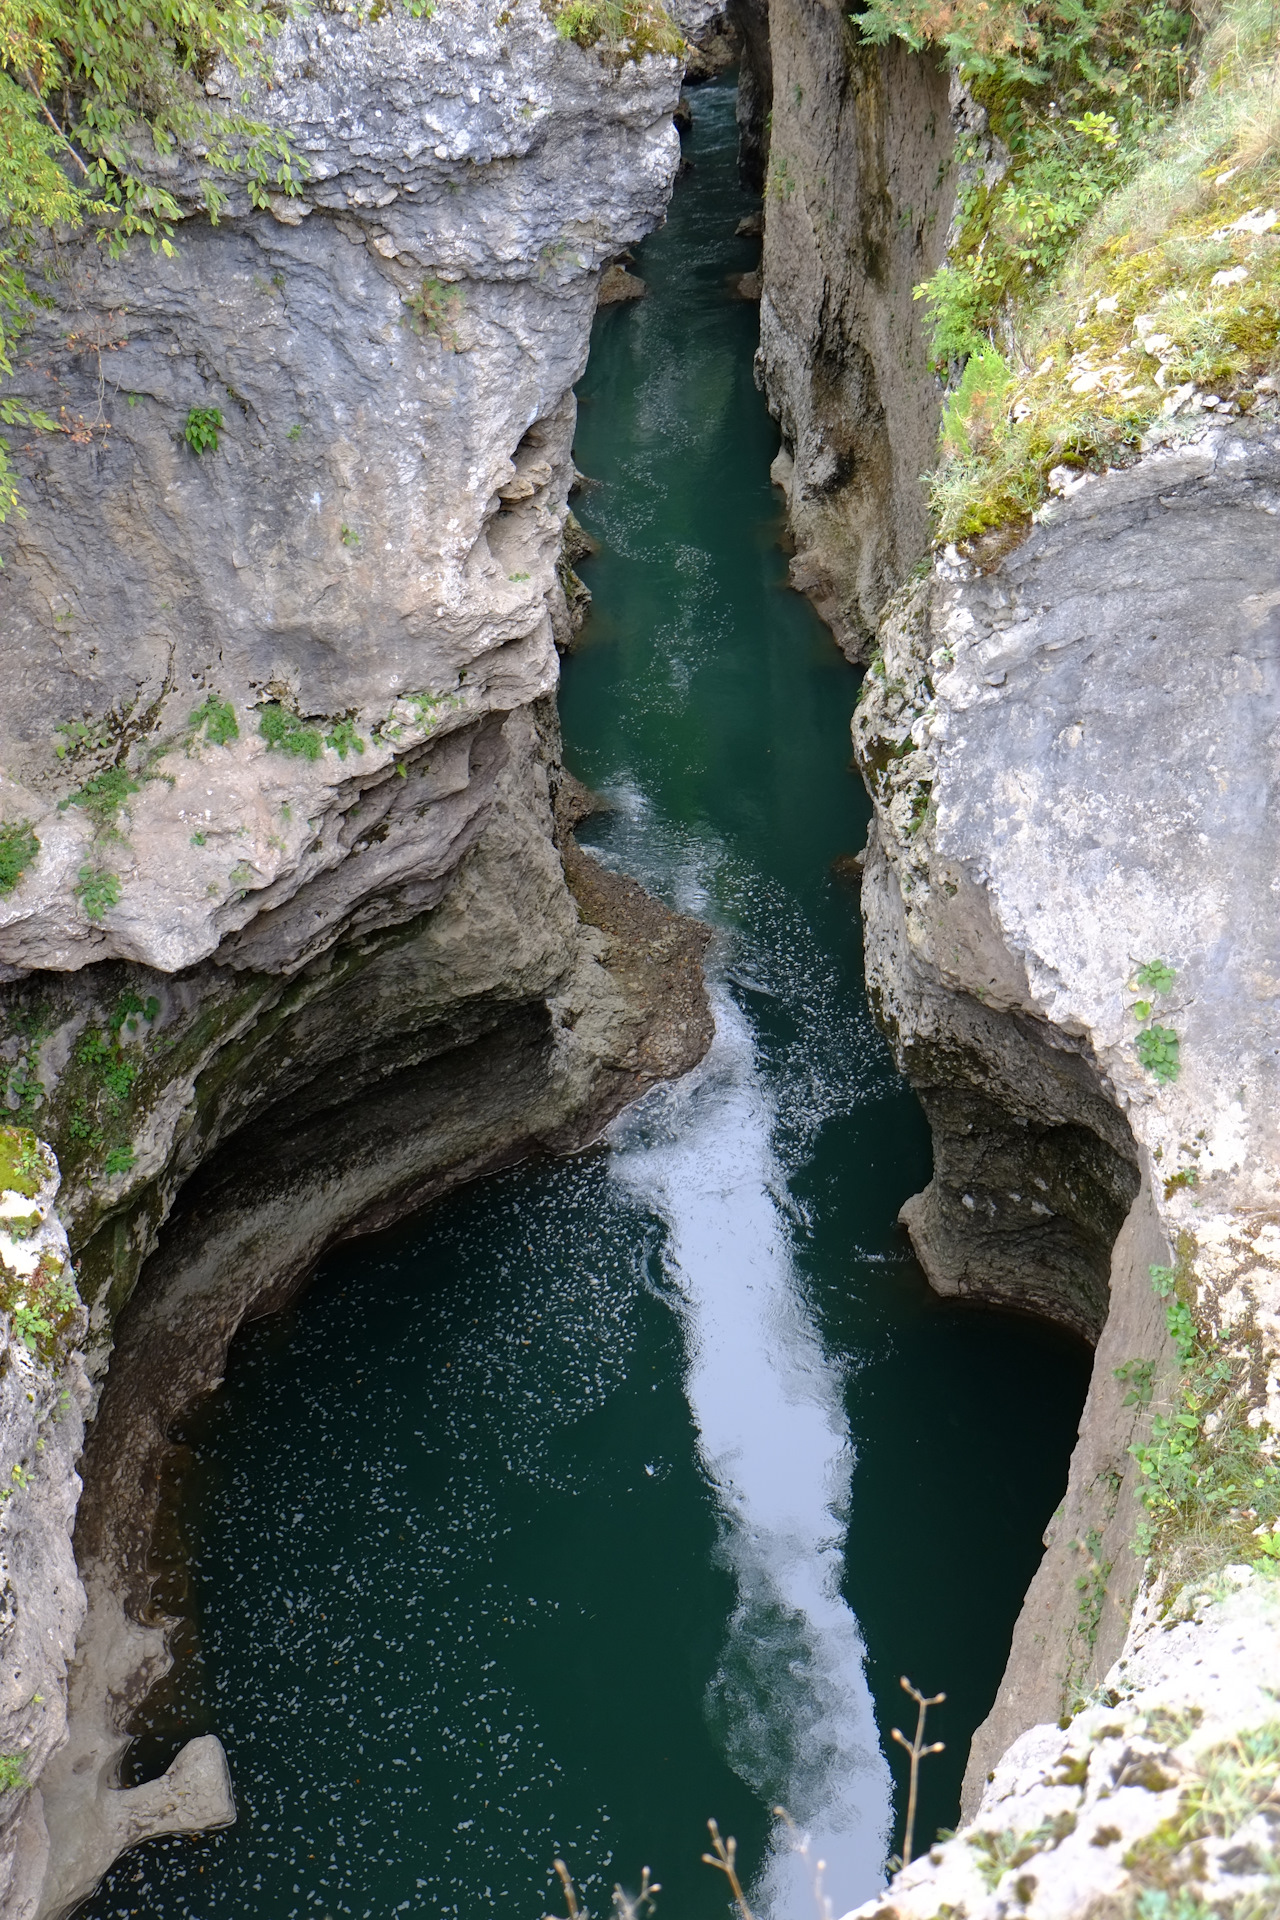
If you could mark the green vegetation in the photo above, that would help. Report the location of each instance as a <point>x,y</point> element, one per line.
<point>42,1306</point>
<point>1211,1491</point>
<point>102,798</point>
<point>79,736</point>
<point>435,308</point>
<point>202,429</point>
<point>97,891</point>
<point>1156,1045</point>
<point>93,102</point>
<point>344,739</point>
<point>19,849</point>
<point>23,1167</point>
<point>1126,265</point>
<point>625,29</point>
<point>1000,1852</point>
<point>13,1772</point>
<point>216,719</point>
<point>286,733</point>
<point>1233,1781</point>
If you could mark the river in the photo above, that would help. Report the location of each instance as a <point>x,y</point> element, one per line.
<point>614,1494</point>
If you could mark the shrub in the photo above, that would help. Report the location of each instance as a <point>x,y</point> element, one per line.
<point>89,97</point>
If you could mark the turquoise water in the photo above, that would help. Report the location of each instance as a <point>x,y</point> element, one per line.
<point>614,1494</point>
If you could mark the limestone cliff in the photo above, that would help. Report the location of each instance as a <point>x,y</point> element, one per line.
<point>299,936</point>
<point>1069,899</point>
<point>859,192</point>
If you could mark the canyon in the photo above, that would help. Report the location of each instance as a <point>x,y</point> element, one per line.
<point>377,965</point>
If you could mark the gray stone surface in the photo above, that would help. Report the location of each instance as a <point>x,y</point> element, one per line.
<point>383,512</point>
<point>44,1400</point>
<point>356,977</point>
<point>1073,756</point>
<point>859,195</point>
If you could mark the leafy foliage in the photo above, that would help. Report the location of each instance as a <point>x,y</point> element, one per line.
<point>42,1305</point>
<point>102,797</point>
<point>1204,1467</point>
<point>1072,89</point>
<point>95,97</point>
<point>217,720</point>
<point>288,734</point>
<point>97,891</point>
<point>1156,1045</point>
<point>202,429</point>
<point>1157,1048</point>
<point>1120,261</point>
<point>18,850</point>
<point>344,739</point>
<point>13,1772</point>
<point>625,28</point>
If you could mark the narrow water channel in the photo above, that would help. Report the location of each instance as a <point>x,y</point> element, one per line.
<point>616,1493</point>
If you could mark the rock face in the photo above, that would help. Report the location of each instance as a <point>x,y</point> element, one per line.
<point>1073,759</point>
<point>1161,1794</point>
<point>1071,749</point>
<point>859,194</point>
<point>303,938</point>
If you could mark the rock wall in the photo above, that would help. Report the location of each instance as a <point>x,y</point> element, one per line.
<point>301,936</point>
<point>859,195</point>
<point>1073,761</point>
<point>1070,745</point>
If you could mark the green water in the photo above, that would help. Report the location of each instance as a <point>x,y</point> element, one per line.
<point>616,1493</point>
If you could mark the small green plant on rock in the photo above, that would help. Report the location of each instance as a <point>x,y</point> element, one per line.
<point>626,28</point>
<point>285,732</point>
<point>13,1772</point>
<point>344,739</point>
<point>97,891</point>
<point>102,797</point>
<point>435,308</point>
<point>216,719</point>
<point>19,849</point>
<point>23,1167</point>
<point>42,1306</point>
<point>1156,1045</point>
<point>202,429</point>
<point>1208,1482</point>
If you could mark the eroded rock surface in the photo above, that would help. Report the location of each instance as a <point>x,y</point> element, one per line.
<point>1073,757</point>
<point>859,195</point>
<point>297,949</point>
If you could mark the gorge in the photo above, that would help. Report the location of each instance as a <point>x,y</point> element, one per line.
<point>301,938</point>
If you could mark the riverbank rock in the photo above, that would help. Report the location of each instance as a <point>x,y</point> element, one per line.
<point>291,948</point>
<point>1070,899</point>
<point>617,285</point>
<point>1072,756</point>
